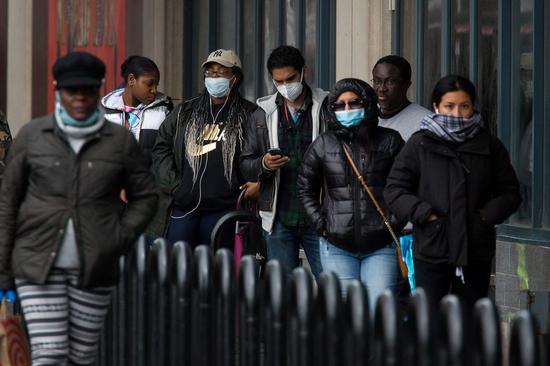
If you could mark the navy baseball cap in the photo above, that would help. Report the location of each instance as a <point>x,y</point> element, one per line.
<point>78,69</point>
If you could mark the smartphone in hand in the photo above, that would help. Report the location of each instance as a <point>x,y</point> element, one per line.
<point>275,151</point>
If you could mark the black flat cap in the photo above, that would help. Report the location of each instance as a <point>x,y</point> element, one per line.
<point>78,69</point>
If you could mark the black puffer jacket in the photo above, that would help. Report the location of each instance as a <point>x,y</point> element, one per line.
<point>45,183</point>
<point>345,214</point>
<point>471,187</point>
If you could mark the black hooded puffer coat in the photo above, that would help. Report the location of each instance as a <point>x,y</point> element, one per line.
<point>345,215</point>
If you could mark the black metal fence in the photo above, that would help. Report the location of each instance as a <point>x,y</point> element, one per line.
<point>174,306</point>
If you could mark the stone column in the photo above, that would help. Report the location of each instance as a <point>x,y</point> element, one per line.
<point>19,64</point>
<point>363,35</point>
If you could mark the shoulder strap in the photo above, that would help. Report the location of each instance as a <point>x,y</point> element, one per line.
<point>363,182</point>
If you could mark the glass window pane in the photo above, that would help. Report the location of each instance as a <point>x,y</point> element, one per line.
<point>408,40</point>
<point>432,48</point>
<point>487,65</point>
<point>249,51</point>
<point>460,37</point>
<point>521,148</point>
<point>272,24</point>
<point>200,43</point>
<point>293,22</point>
<point>227,24</point>
<point>546,146</point>
<point>310,51</point>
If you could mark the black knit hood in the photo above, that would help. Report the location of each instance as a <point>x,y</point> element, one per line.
<point>369,98</point>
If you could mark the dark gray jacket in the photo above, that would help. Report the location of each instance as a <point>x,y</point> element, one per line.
<point>46,183</point>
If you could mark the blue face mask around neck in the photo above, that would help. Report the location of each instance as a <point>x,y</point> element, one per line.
<point>70,121</point>
<point>351,117</point>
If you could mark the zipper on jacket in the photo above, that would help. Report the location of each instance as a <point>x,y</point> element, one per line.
<point>62,229</point>
<point>462,163</point>
<point>76,222</point>
<point>356,200</point>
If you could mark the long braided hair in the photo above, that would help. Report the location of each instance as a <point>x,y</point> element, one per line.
<point>236,118</point>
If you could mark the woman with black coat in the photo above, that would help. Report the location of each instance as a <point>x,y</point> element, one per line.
<point>453,180</point>
<point>61,229</point>
<point>354,242</point>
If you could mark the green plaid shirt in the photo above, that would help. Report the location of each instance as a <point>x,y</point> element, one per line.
<point>294,139</point>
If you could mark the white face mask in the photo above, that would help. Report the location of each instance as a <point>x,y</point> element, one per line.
<point>217,87</point>
<point>291,91</point>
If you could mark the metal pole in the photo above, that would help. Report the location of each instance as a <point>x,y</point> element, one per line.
<point>180,300</point>
<point>274,314</point>
<point>450,337</point>
<point>249,296</point>
<point>203,308</point>
<point>416,336</point>
<point>301,318</point>
<point>486,343</point>
<point>328,325</point>
<point>385,331</point>
<point>357,325</point>
<point>224,280</point>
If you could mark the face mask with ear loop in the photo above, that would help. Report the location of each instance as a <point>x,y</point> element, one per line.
<point>291,91</point>
<point>218,87</point>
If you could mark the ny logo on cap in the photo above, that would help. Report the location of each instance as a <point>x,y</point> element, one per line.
<point>218,53</point>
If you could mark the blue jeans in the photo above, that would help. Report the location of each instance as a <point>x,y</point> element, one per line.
<point>377,270</point>
<point>196,228</point>
<point>284,243</point>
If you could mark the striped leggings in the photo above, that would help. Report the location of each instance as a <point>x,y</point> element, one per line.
<point>63,321</point>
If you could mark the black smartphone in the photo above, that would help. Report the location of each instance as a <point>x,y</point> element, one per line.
<point>275,151</point>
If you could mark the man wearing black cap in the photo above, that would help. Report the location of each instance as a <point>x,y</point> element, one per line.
<point>61,229</point>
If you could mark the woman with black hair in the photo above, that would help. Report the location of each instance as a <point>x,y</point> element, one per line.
<point>454,182</point>
<point>195,157</point>
<point>354,242</point>
<point>138,106</point>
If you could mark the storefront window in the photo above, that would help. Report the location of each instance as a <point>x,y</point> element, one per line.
<point>408,42</point>
<point>460,37</point>
<point>432,48</point>
<point>521,148</point>
<point>487,66</point>
<point>310,47</point>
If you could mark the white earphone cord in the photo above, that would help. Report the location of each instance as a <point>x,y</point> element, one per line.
<point>205,164</point>
<point>200,193</point>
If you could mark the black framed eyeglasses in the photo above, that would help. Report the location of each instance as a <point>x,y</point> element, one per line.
<point>389,82</point>
<point>352,103</point>
<point>220,72</point>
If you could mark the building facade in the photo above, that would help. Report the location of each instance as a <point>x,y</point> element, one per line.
<point>502,45</point>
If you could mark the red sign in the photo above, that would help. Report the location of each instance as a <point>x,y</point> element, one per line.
<point>94,26</point>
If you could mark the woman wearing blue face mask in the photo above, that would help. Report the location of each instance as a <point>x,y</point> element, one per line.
<point>354,242</point>
<point>196,154</point>
<point>453,180</point>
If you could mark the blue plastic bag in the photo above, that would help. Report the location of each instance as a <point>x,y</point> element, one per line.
<point>407,250</point>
